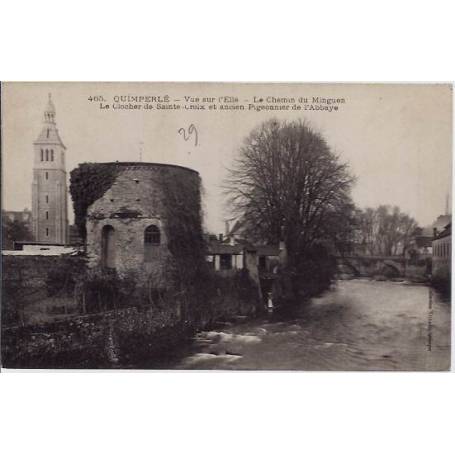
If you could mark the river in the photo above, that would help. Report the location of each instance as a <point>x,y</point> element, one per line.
<point>357,325</point>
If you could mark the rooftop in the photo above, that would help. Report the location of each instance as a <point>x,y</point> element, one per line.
<point>51,251</point>
<point>446,232</point>
<point>268,250</point>
<point>224,248</point>
<point>144,164</point>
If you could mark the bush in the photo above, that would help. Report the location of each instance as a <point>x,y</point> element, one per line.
<point>313,274</point>
<point>61,280</point>
<point>104,289</point>
<point>13,301</point>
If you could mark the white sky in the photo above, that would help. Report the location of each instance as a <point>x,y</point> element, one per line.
<point>396,138</point>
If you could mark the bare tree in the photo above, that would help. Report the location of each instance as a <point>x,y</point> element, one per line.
<point>286,184</point>
<point>385,231</point>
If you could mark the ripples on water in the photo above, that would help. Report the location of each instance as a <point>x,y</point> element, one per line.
<point>359,325</point>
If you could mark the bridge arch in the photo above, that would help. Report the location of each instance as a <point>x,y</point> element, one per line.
<point>391,268</point>
<point>346,266</point>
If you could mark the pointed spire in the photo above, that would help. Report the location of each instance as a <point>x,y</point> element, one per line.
<point>49,132</point>
<point>49,112</point>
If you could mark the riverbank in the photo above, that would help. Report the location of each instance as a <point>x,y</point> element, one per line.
<point>359,325</point>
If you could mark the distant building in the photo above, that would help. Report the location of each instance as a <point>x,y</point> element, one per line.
<point>238,231</point>
<point>442,253</point>
<point>420,244</point>
<point>268,258</point>
<point>230,253</point>
<point>225,257</point>
<point>75,243</point>
<point>441,222</point>
<point>49,190</point>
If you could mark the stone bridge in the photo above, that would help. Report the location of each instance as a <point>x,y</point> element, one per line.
<point>363,266</point>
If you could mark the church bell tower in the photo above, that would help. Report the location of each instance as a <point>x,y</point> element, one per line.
<point>49,191</point>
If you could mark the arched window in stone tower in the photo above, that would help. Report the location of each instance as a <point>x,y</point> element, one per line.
<point>108,247</point>
<point>152,238</point>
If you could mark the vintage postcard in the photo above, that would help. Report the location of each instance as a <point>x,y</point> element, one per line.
<point>233,226</point>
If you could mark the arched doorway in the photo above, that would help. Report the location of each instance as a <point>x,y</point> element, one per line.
<point>108,247</point>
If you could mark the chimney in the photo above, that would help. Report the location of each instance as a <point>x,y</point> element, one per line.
<point>435,232</point>
<point>220,237</point>
<point>226,228</point>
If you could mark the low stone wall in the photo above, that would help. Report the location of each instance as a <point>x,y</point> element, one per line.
<point>31,270</point>
<point>124,338</point>
<point>140,336</point>
<point>32,281</point>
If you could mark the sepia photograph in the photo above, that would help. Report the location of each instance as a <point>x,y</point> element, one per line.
<point>226,226</point>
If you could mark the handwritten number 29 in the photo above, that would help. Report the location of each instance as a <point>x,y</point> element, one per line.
<point>191,132</point>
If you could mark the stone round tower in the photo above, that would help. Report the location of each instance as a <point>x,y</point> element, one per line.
<point>132,224</point>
